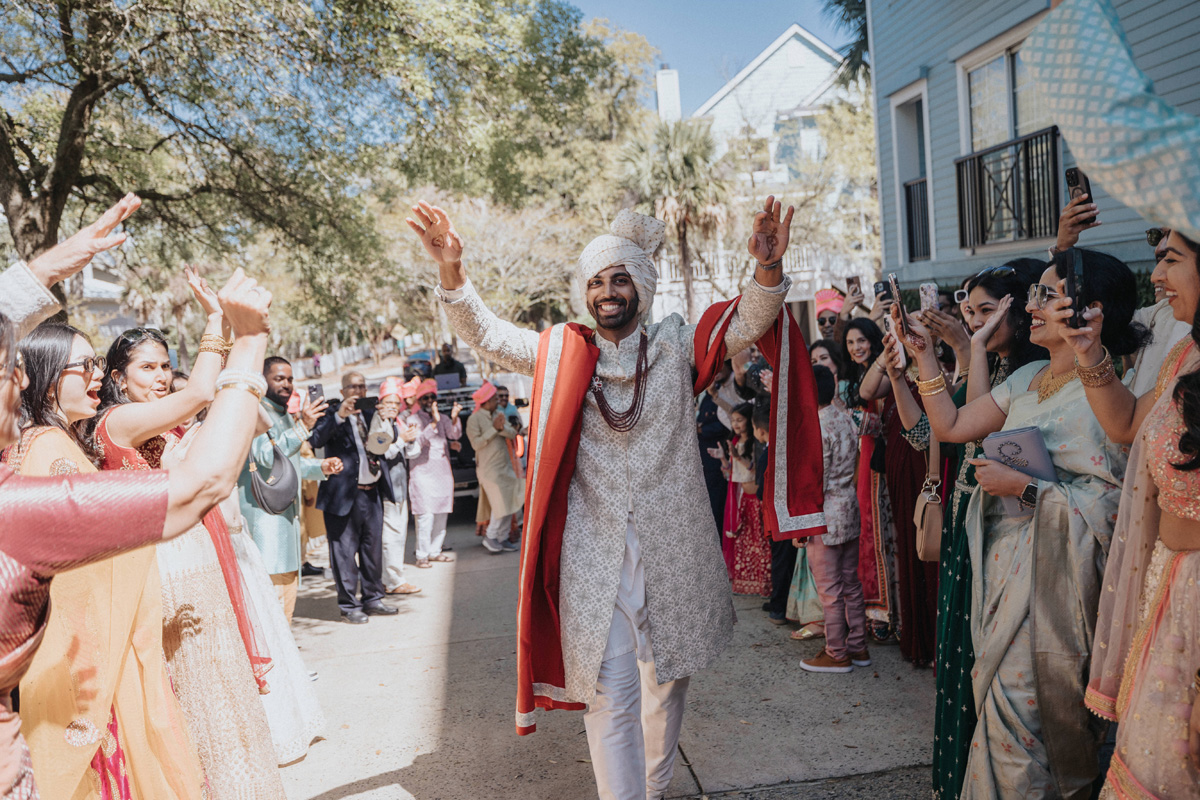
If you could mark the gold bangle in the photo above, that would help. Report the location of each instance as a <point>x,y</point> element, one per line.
<point>213,343</point>
<point>932,392</point>
<point>1101,374</point>
<point>932,383</point>
<point>962,373</point>
<point>881,369</point>
<point>244,385</point>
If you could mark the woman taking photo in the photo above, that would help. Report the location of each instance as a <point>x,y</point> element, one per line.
<point>1144,673</point>
<point>1036,578</point>
<point>861,348</point>
<point>1000,341</point>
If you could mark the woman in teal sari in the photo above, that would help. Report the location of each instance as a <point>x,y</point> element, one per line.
<point>1036,578</point>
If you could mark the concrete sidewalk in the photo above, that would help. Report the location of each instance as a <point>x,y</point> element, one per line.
<point>420,705</point>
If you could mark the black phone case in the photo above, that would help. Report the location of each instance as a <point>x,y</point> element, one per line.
<point>1076,319</point>
<point>1077,184</point>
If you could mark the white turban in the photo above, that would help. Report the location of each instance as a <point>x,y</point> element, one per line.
<point>632,243</point>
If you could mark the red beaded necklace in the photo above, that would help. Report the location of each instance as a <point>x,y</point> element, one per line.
<point>625,421</point>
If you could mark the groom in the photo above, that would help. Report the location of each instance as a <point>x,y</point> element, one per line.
<point>624,592</point>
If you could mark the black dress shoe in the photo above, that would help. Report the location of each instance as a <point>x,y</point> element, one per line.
<point>380,609</point>
<point>308,570</point>
<point>354,617</point>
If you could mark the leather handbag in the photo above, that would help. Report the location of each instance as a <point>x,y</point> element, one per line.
<point>928,515</point>
<point>275,493</point>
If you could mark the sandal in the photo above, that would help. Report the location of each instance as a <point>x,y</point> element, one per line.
<point>423,563</point>
<point>810,631</point>
<point>442,558</point>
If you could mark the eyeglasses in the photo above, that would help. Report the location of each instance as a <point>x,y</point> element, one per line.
<point>89,364</point>
<point>1040,294</point>
<point>1156,235</point>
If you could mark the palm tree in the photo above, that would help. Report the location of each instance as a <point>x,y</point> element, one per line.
<point>852,14</point>
<point>674,174</point>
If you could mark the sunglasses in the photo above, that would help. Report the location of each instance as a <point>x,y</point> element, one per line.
<point>827,320</point>
<point>1156,235</point>
<point>89,364</point>
<point>1040,294</point>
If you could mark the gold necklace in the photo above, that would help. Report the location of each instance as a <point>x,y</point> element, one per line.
<point>1050,385</point>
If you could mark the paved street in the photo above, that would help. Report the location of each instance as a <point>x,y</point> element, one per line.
<point>420,705</point>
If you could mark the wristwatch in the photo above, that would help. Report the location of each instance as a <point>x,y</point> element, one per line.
<point>1029,497</point>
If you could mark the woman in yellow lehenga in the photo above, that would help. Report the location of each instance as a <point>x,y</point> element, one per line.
<point>120,733</point>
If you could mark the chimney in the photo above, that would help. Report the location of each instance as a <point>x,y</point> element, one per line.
<point>666,83</point>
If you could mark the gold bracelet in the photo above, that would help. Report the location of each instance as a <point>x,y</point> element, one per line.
<point>1101,374</point>
<point>214,343</point>
<point>932,383</point>
<point>1196,682</point>
<point>245,385</point>
<point>932,392</point>
<point>963,373</point>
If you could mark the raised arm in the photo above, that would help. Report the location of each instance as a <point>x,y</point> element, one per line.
<point>764,296</point>
<point>1117,410</point>
<point>973,421</point>
<point>513,348</point>
<point>907,406</point>
<point>133,424</point>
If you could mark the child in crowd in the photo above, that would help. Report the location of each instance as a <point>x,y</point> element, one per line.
<point>783,554</point>
<point>834,554</point>
<point>748,554</point>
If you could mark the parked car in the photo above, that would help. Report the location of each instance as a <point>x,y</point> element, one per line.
<point>419,363</point>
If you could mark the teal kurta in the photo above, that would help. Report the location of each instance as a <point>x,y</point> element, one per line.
<point>277,535</point>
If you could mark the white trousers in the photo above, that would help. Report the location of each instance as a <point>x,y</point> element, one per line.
<point>633,729</point>
<point>431,533</point>
<point>499,528</point>
<point>395,536</point>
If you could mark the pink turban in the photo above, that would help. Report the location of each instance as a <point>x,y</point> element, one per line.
<point>409,390</point>
<point>483,394</point>
<point>293,406</point>
<point>427,386</point>
<point>391,387</point>
<point>829,300</point>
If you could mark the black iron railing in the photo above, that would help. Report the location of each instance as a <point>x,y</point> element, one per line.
<point>916,209</point>
<point>1009,192</point>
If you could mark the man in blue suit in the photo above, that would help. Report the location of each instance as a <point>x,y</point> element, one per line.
<point>352,502</point>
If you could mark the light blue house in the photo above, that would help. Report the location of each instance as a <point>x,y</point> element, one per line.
<point>970,168</point>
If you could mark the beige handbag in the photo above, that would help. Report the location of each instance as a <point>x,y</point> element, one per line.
<point>928,516</point>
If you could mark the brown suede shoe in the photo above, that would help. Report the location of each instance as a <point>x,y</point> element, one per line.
<point>862,658</point>
<point>823,662</point>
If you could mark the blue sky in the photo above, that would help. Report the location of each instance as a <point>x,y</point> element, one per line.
<point>709,41</point>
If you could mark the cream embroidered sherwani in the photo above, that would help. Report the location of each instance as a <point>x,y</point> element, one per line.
<point>650,475</point>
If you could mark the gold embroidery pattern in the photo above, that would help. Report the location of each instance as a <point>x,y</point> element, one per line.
<point>82,732</point>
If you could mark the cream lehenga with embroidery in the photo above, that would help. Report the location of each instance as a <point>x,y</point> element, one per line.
<point>206,657</point>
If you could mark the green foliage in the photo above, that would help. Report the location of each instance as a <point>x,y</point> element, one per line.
<point>852,14</point>
<point>674,174</point>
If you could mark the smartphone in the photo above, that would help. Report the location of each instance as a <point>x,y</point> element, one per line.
<point>853,285</point>
<point>1077,185</point>
<point>316,393</point>
<point>366,404</point>
<point>929,296</point>
<point>1073,283</point>
<point>888,329</point>
<point>896,294</point>
<point>882,292</point>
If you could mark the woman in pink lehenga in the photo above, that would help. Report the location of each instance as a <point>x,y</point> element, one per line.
<point>750,572</point>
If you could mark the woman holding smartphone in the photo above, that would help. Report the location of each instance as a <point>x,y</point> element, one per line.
<point>1037,578</point>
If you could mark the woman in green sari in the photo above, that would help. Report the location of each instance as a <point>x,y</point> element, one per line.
<point>999,345</point>
<point>1036,578</point>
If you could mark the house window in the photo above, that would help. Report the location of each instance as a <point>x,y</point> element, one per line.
<point>910,150</point>
<point>1008,185</point>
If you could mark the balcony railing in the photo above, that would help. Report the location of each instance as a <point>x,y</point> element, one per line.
<point>1009,192</point>
<point>916,209</point>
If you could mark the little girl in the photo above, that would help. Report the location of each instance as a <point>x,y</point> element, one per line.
<point>751,569</point>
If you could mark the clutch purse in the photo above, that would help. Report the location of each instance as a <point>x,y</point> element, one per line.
<point>1024,450</point>
<point>275,493</point>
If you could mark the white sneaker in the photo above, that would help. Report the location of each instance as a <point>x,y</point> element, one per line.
<point>492,546</point>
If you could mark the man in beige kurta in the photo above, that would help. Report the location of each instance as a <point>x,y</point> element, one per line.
<point>644,595</point>
<point>489,432</point>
